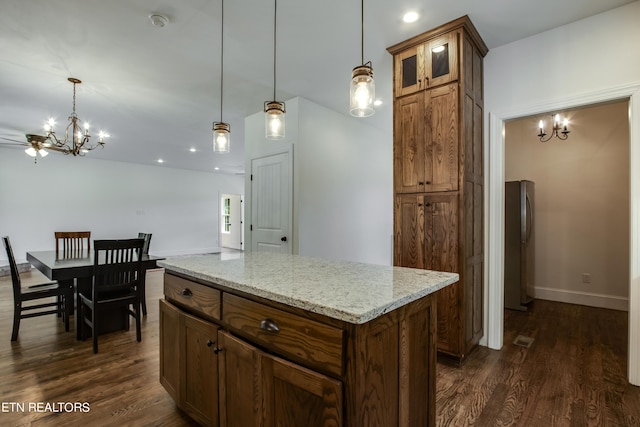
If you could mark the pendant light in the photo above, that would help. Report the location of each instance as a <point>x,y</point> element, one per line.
<point>274,111</point>
<point>363,89</point>
<point>221,130</point>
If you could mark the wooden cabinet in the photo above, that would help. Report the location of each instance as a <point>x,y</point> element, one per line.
<point>426,65</point>
<point>264,364</point>
<point>188,363</point>
<point>438,171</point>
<point>426,154</point>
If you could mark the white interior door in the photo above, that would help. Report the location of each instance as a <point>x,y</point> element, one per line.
<point>271,194</point>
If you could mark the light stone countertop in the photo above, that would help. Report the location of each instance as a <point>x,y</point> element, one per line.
<point>348,291</point>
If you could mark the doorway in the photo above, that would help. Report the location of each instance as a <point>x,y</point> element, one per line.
<point>231,221</point>
<point>495,215</point>
<point>581,231</point>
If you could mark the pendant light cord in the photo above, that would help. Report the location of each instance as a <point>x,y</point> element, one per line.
<point>362,29</point>
<point>221,59</point>
<point>275,22</point>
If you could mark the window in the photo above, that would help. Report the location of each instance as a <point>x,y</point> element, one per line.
<point>226,215</point>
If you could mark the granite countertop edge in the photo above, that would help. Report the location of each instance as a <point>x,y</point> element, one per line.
<point>312,306</point>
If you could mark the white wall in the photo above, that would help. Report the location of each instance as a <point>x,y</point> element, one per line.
<point>588,55</point>
<point>588,61</point>
<point>110,199</point>
<point>343,182</point>
<point>581,203</point>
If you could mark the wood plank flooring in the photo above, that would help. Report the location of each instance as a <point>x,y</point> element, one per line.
<point>574,373</point>
<point>48,365</point>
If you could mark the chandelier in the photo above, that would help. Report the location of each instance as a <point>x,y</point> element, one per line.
<point>556,130</point>
<point>76,138</point>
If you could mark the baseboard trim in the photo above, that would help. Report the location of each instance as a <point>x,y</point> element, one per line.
<point>581,298</point>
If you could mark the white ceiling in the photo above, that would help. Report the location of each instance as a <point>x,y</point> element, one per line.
<point>157,90</point>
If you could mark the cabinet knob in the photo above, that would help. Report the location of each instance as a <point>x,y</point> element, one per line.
<point>283,238</point>
<point>217,350</point>
<point>186,292</point>
<point>210,343</point>
<point>427,182</point>
<point>269,325</point>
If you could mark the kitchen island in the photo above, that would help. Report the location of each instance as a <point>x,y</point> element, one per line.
<point>272,339</point>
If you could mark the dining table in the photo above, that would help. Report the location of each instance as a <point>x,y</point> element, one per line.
<point>78,267</point>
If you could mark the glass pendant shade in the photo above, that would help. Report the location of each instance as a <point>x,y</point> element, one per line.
<point>274,119</point>
<point>363,92</point>
<point>221,137</point>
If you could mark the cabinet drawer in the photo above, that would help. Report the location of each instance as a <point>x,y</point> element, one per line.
<point>199,298</point>
<point>306,341</point>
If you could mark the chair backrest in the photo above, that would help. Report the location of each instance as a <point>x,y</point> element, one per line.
<point>15,276</point>
<point>72,241</point>
<point>117,264</point>
<point>147,242</point>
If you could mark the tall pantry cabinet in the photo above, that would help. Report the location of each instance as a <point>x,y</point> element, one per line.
<point>438,176</point>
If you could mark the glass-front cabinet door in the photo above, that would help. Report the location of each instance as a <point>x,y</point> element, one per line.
<point>427,65</point>
<point>409,77</point>
<point>441,56</point>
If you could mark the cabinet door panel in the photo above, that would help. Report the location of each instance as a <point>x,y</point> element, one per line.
<point>408,219</point>
<point>441,57</point>
<point>409,71</point>
<point>170,349</point>
<point>296,396</point>
<point>409,145</point>
<point>442,143</point>
<point>441,229</point>
<point>240,383</point>
<point>441,242</point>
<point>199,388</point>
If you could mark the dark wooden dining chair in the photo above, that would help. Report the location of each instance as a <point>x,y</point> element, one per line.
<point>145,251</point>
<point>24,297</point>
<point>117,275</point>
<point>72,242</point>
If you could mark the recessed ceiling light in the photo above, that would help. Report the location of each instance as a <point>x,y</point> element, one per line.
<point>157,20</point>
<point>160,161</point>
<point>216,168</point>
<point>377,102</point>
<point>410,17</point>
<point>192,149</point>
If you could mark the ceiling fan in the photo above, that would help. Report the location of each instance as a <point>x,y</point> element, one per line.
<point>36,144</point>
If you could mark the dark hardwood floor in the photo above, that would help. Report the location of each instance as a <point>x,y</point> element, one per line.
<point>47,365</point>
<point>574,373</point>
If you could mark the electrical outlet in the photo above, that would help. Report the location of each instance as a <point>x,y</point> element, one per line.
<point>586,278</point>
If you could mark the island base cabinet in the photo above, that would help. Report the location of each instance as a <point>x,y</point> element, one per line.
<point>258,389</point>
<point>221,380</point>
<point>296,396</point>
<point>224,375</point>
<point>188,363</point>
<point>240,383</point>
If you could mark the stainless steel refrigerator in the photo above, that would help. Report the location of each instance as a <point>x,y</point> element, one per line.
<point>519,244</point>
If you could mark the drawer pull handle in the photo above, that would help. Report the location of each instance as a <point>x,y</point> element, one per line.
<point>269,325</point>
<point>186,292</point>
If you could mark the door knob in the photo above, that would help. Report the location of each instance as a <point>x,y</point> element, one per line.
<point>284,238</point>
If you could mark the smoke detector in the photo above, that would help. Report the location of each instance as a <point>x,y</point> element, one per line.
<point>158,20</point>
